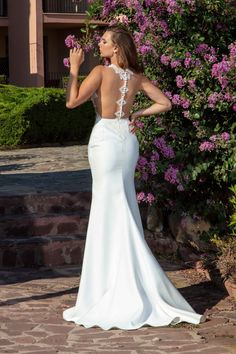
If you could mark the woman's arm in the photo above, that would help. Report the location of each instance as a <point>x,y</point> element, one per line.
<point>162,103</point>
<point>76,95</point>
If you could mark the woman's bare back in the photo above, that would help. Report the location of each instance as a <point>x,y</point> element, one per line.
<point>109,98</point>
<point>104,83</point>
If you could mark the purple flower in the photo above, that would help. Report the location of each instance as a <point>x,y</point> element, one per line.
<point>171,175</point>
<point>108,6</point>
<point>197,62</point>
<point>228,97</point>
<point>97,36</point>
<point>175,63</point>
<point>87,47</point>
<point>168,94</point>
<point>165,59</point>
<point>70,41</point>
<point>155,156</point>
<point>145,49</point>
<point>187,62</point>
<point>234,107</point>
<point>191,83</point>
<point>180,82</point>
<point>212,51</point>
<point>213,138</point>
<point>66,62</point>
<point>188,55</point>
<point>150,198</point>
<point>180,187</point>
<point>201,48</point>
<point>142,161</point>
<point>159,142</point>
<point>220,68</point>
<point>223,82</point>
<point>176,99</point>
<point>152,166</point>
<point>166,151</point>
<point>162,24</point>
<point>138,36</point>
<point>210,58</point>
<point>186,114</point>
<point>206,146</point>
<point>139,124</point>
<point>213,98</point>
<point>225,136</point>
<point>173,7</point>
<point>195,124</point>
<point>141,197</point>
<point>185,103</point>
<point>232,48</point>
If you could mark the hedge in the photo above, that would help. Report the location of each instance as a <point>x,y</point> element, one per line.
<point>39,115</point>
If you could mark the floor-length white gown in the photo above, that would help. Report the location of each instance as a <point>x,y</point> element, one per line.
<point>122,285</point>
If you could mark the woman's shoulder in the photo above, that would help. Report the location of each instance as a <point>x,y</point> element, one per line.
<point>97,68</point>
<point>144,80</point>
<point>96,72</point>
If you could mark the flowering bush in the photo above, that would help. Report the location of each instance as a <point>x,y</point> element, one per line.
<point>188,155</point>
<point>85,41</point>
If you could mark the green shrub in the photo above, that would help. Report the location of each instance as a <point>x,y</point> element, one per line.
<point>39,115</point>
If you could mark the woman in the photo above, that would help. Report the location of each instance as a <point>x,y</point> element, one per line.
<point>122,285</point>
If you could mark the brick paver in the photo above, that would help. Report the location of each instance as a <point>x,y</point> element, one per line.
<point>32,300</point>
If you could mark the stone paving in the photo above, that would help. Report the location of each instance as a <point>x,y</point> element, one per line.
<point>44,169</point>
<point>32,300</point>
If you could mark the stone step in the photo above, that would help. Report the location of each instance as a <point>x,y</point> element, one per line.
<point>47,251</point>
<point>57,202</point>
<point>21,226</point>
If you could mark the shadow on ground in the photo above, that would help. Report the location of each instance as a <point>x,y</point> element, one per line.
<point>201,296</point>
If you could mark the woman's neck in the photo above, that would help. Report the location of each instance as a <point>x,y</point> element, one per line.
<point>114,60</point>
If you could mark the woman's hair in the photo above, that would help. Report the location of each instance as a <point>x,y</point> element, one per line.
<point>128,57</point>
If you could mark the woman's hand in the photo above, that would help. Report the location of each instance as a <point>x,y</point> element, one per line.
<point>76,57</point>
<point>133,118</point>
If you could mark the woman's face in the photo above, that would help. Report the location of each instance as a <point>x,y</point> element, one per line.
<point>106,46</point>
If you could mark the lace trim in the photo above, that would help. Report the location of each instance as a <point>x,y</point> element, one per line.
<point>125,75</point>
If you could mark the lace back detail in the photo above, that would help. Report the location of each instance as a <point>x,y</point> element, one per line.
<point>125,75</point>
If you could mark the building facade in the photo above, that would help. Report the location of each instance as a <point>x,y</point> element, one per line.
<point>32,34</point>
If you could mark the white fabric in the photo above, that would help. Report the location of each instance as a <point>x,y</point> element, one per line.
<point>122,285</point>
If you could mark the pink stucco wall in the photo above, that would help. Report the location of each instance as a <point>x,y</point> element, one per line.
<point>25,42</point>
<point>36,42</point>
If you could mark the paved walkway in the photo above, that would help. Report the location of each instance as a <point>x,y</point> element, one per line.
<point>32,300</point>
<point>31,321</point>
<point>46,169</point>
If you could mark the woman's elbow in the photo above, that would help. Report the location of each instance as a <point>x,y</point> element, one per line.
<point>168,105</point>
<point>70,105</point>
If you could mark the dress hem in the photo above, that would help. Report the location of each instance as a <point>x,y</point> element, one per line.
<point>176,320</point>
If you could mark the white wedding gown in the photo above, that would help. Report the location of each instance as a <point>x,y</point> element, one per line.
<point>122,285</point>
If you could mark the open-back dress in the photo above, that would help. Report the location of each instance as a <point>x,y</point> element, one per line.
<point>122,285</point>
